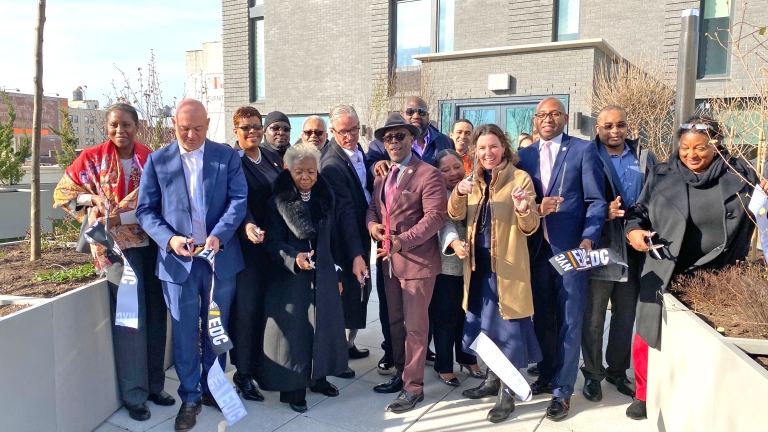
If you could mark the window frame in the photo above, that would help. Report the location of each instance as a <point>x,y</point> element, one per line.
<point>434,31</point>
<point>556,22</point>
<point>255,14</point>
<point>700,75</point>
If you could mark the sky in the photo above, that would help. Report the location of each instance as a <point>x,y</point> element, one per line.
<point>85,40</point>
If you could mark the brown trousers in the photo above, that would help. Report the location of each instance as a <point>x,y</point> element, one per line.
<point>408,304</point>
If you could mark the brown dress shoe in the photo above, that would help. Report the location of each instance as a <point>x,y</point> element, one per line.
<point>186,419</point>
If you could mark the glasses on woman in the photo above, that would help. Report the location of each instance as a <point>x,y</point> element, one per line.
<point>695,126</point>
<point>247,128</point>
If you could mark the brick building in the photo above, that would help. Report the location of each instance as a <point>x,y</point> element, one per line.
<point>23,104</point>
<point>304,57</point>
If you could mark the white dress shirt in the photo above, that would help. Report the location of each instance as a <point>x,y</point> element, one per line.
<point>554,148</point>
<point>127,218</point>
<point>356,157</point>
<point>193,171</point>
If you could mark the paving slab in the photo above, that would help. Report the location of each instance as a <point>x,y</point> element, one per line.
<point>305,424</point>
<point>160,414</point>
<point>459,417</point>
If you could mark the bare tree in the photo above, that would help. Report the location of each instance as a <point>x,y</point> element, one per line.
<point>37,123</point>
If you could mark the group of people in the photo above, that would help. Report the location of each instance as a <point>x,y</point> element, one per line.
<point>461,229</point>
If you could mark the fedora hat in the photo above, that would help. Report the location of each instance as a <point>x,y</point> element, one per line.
<point>396,120</point>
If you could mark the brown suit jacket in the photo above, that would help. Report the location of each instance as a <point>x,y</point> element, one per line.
<point>418,212</point>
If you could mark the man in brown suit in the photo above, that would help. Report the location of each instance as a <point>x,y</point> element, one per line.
<point>407,209</point>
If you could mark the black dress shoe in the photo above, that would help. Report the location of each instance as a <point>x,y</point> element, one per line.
<point>208,400</point>
<point>533,370</point>
<point>453,382</point>
<point>328,389</point>
<point>347,374</point>
<point>385,366</point>
<point>592,391</point>
<point>505,404</point>
<point>187,416</point>
<point>139,412</point>
<point>406,401</point>
<point>558,408</point>
<point>392,386</point>
<point>636,410</point>
<point>489,387</point>
<point>162,399</point>
<point>623,385</point>
<point>430,357</point>
<point>474,374</point>
<point>247,388</point>
<point>539,387</point>
<point>356,353</point>
<point>299,407</point>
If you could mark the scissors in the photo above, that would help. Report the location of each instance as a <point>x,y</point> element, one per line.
<point>653,248</point>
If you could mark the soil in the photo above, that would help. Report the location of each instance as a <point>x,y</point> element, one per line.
<point>761,360</point>
<point>9,309</point>
<point>728,318</point>
<point>18,275</point>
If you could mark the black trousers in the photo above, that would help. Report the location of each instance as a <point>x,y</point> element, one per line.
<point>623,297</point>
<point>447,318</point>
<point>296,396</point>
<point>386,345</point>
<point>140,353</point>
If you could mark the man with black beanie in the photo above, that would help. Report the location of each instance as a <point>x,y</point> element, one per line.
<point>277,133</point>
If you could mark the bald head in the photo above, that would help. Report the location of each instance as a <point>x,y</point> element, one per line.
<point>190,123</point>
<point>550,118</point>
<point>416,112</point>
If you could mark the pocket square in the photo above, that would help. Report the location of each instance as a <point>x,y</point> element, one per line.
<point>406,191</point>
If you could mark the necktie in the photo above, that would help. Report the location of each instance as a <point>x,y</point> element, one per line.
<point>545,167</point>
<point>391,188</point>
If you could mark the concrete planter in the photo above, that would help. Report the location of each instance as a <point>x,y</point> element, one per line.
<point>57,366</point>
<point>701,381</point>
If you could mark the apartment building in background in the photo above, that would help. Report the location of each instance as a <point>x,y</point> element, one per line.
<point>23,104</point>
<point>489,60</point>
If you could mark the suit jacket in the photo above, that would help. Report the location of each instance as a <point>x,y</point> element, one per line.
<point>582,213</point>
<point>164,211</point>
<point>417,214</point>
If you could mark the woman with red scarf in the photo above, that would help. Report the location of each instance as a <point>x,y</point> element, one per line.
<point>102,184</point>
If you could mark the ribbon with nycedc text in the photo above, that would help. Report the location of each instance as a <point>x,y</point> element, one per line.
<point>582,259</point>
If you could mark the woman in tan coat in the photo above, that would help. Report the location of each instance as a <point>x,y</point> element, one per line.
<point>499,205</point>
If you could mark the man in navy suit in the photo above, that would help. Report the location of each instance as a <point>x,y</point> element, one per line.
<point>193,193</point>
<point>573,211</point>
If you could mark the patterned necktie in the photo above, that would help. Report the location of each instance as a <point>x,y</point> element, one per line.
<point>545,166</point>
<point>391,188</point>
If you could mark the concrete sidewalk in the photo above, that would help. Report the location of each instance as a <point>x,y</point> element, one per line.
<point>358,408</point>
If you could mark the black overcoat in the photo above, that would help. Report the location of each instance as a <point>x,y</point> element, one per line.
<point>304,324</point>
<point>663,207</point>
<point>247,318</point>
<point>338,170</point>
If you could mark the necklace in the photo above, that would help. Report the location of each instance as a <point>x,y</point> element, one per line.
<point>256,161</point>
<point>305,195</point>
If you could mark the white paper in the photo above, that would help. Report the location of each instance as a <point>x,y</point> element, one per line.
<point>758,205</point>
<point>226,396</point>
<point>501,366</point>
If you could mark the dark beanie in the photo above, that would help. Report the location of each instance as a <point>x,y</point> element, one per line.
<point>276,116</point>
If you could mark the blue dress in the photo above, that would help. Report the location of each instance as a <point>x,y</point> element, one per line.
<point>515,338</point>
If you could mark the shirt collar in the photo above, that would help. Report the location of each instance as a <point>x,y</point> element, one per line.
<point>201,150</point>
<point>556,140</point>
<point>404,164</point>
<point>426,139</point>
<point>351,153</point>
<point>623,153</point>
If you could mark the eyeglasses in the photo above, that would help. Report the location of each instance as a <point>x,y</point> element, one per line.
<point>399,136</point>
<point>277,129</point>
<point>247,128</point>
<point>697,126</point>
<point>346,133</point>
<point>554,115</point>
<point>610,126</point>
<point>317,133</point>
<point>411,111</point>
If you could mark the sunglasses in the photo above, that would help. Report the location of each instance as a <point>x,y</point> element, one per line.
<point>697,126</point>
<point>276,129</point>
<point>247,128</point>
<point>610,126</point>
<point>317,133</point>
<point>411,111</point>
<point>393,137</point>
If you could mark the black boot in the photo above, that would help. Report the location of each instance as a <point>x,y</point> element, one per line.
<point>505,404</point>
<point>489,387</point>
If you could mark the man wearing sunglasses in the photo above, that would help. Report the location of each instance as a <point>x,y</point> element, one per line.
<point>277,133</point>
<point>315,132</point>
<point>625,167</point>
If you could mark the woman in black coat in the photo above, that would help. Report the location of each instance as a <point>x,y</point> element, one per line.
<point>304,339</point>
<point>246,322</point>
<point>690,216</point>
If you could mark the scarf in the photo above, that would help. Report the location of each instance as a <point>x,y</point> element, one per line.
<point>98,171</point>
<point>715,170</point>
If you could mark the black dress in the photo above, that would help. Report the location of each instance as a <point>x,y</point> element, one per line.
<point>246,321</point>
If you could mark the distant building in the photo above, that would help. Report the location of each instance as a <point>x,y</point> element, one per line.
<point>88,121</point>
<point>205,82</point>
<point>23,104</point>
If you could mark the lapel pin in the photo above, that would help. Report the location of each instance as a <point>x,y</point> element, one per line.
<point>410,171</point>
<point>761,212</point>
<point>562,149</point>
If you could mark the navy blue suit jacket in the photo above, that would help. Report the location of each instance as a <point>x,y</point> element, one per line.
<point>582,213</point>
<point>164,211</point>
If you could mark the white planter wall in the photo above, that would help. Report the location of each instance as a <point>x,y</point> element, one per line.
<point>701,381</point>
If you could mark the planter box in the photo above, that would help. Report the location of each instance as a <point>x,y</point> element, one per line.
<point>701,381</point>
<point>57,366</point>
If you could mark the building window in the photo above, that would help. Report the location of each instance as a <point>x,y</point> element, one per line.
<point>74,119</point>
<point>422,27</point>
<point>75,129</point>
<point>567,20</point>
<point>714,38</point>
<point>256,14</point>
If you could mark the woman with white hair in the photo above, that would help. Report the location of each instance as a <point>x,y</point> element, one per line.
<point>304,340</point>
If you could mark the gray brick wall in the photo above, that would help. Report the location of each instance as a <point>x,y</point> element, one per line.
<point>530,21</point>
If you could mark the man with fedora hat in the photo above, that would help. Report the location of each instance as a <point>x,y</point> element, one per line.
<point>408,207</point>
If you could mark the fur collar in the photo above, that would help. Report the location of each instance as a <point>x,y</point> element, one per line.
<point>303,221</point>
